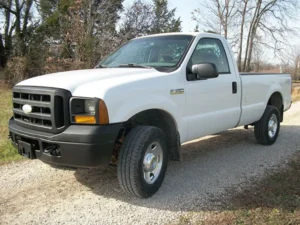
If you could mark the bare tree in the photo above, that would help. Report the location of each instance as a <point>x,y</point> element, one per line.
<point>86,26</point>
<point>258,61</point>
<point>294,62</point>
<point>243,14</point>
<point>248,19</point>
<point>217,15</point>
<point>270,19</point>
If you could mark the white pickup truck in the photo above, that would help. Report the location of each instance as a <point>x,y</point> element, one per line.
<point>141,103</point>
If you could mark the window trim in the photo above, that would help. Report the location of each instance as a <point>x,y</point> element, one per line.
<point>217,39</point>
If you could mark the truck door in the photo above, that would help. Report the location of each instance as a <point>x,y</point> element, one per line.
<point>213,105</point>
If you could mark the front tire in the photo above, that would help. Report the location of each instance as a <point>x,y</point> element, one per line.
<point>266,130</point>
<point>143,161</point>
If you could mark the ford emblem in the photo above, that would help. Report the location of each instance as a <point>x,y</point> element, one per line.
<point>27,109</point>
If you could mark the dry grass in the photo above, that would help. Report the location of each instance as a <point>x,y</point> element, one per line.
<point>296,92</point>
<point>273,200</point>
<point>7,152</point>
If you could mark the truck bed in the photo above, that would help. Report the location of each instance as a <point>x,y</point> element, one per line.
<point>257,89</point>
<point>263,74</point>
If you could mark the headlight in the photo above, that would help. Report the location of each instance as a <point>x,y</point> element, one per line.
<point>88,111</point>
<point>90,106</point>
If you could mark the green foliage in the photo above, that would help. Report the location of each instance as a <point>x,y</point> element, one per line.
<point>145,18</point>
<point>64,5</point>
<point>47,8</point>
<point>78,31</point>
<point>53,19</point>
<point>165,20</point>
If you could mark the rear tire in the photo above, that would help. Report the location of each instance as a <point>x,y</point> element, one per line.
<point>266,130</point>
<point>143,161</point>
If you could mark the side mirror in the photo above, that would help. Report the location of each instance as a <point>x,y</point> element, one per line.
<point>204,71</point>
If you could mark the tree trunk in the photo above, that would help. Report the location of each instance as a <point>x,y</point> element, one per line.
<point>248,61</point>
<point>18,28</point>
<point>226,18</point>
<point>23,33</point>
<point>297,62</point>
<point>250,37</point>
<point>260,12</point>
<point>2,54</point>
<point>7,32</point>
<point>247,49</point>
<point>242,36</point>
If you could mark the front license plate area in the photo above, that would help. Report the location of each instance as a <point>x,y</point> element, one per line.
<point>25,149</point>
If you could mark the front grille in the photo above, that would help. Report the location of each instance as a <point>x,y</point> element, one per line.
<point>49,108</point>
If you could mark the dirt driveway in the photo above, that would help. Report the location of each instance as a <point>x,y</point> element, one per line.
<point>34,193</point>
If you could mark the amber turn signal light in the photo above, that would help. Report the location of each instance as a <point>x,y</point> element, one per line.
<point>85,119</point>
<point>103,113</point>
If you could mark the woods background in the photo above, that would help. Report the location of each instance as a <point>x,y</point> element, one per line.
<point>45,36</point>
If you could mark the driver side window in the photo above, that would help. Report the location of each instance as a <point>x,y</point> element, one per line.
<point>209,50</point>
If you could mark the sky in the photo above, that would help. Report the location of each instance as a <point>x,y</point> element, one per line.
<point>185,7</point>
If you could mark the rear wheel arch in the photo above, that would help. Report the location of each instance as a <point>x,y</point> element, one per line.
<point>276,100</point>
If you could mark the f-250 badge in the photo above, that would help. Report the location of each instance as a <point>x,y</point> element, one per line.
<point>177,91</point>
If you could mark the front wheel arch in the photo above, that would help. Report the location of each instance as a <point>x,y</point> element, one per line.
<point>163,120</point>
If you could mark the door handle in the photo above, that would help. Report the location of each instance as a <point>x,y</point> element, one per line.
<point>234,87</point>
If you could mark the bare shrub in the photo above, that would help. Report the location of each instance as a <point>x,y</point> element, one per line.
<point>59,65</point>
<point>15,70</point>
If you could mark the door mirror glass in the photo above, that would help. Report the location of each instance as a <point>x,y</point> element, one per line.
<point>204,71</point>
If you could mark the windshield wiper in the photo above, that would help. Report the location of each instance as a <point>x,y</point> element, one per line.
<point>133,65</point>
<point>101,66</point>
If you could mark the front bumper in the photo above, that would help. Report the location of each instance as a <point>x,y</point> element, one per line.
<point>78,146</point>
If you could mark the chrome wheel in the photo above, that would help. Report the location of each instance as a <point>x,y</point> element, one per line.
<point>272,126</point>
<point>152,163</point>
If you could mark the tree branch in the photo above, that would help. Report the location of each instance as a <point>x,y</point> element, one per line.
<point>5,7</point>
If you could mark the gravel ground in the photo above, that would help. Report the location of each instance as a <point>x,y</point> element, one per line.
<point>32,192</point>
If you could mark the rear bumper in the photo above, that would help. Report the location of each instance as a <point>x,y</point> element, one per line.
<point>78,146</point>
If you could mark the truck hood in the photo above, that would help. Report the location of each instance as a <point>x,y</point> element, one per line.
<point>103,78</point>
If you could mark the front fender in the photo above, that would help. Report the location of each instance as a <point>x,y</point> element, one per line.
<point>123,111</point>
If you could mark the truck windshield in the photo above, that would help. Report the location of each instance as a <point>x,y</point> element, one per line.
<point>163,53</point>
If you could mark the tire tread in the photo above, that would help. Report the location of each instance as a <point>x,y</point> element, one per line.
<point>261,126</point>
<point>129,159</point>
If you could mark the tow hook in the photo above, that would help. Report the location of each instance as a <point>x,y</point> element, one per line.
<point>52,150</point>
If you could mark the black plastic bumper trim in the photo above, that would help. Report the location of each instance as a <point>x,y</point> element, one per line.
<point>80,146</point>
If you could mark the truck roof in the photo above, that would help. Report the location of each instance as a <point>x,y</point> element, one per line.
<point>179,33</point>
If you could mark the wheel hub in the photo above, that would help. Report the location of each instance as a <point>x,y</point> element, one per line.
<point>152,162</point>
<point>272,126</point>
